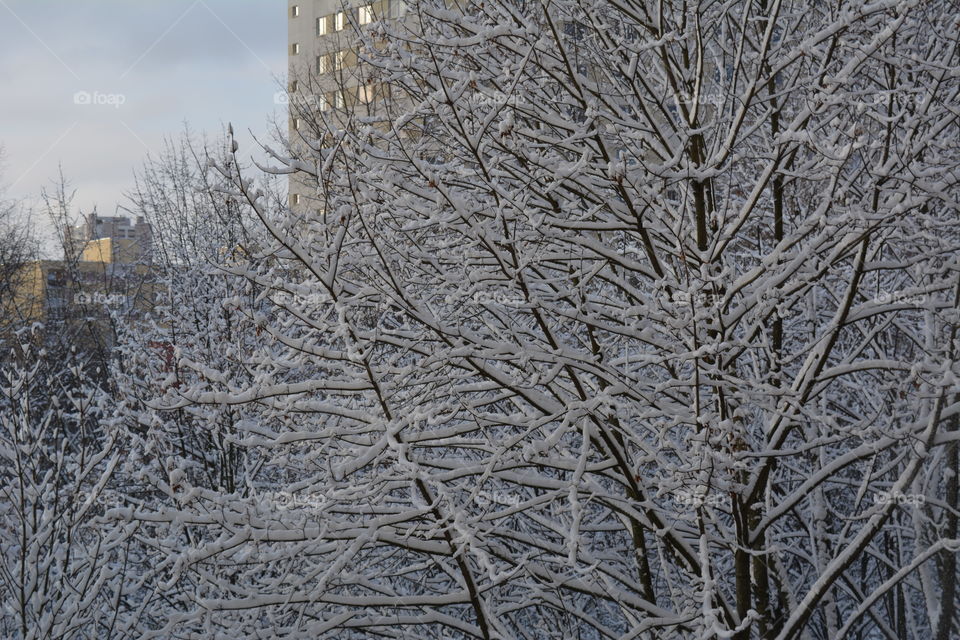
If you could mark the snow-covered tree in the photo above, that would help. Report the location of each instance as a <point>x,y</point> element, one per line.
<point>616,320</point>
<point>65,571</point>
<point>196,226</point>
<point>17,246</point>
<point>199,230</point>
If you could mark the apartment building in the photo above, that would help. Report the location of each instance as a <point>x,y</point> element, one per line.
<point>326,79</point>
<point>328,82</point>
<point>104,275</point>
<point>109,240</point>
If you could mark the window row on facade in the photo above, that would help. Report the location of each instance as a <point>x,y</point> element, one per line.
<point>343,98</point>
<point>340,20</point>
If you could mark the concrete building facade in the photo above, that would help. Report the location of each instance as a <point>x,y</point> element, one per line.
<point>110,239</point>
<point>325,79</point>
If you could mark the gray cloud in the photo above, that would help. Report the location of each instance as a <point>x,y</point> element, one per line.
<point>151,65</point>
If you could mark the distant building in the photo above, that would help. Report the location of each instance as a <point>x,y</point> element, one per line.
<point>324,72</point>
<point>110,240</point>
<point>81,300</point>
<point>112,251</point>
<point>55,290</point>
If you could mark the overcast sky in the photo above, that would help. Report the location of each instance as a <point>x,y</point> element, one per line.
<point>97,84</point>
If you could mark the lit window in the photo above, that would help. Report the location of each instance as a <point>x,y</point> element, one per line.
<point>340,22</point>
<point>338,64</point>
<point>338,99</point>
<point>296,123</point>
<point>366,15</point>
<point>322,26</point>
<point>323,64</point>
<point>295,48</point>
<point>295,198</point>
<point>295,11</point>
